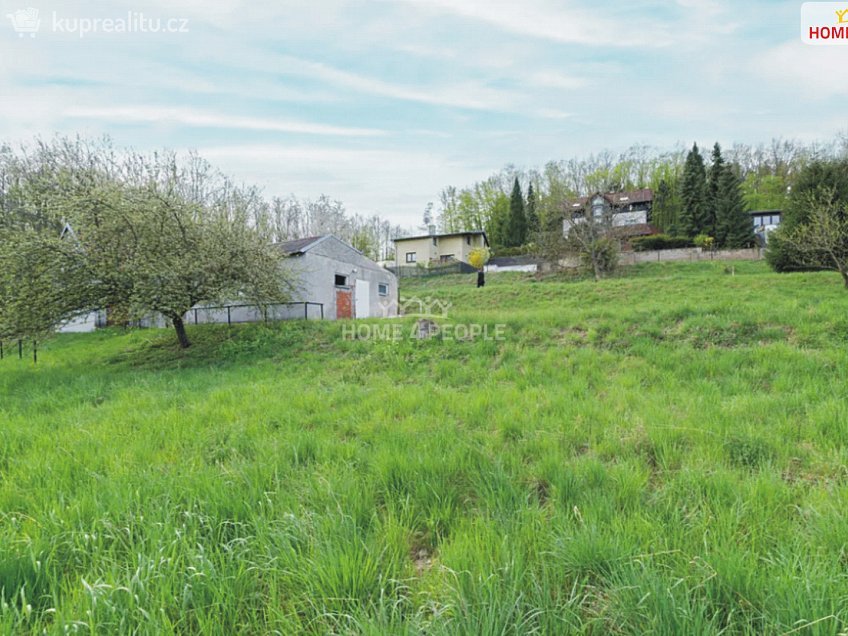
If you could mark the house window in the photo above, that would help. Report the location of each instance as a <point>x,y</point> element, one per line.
<point>341,280</point>
<point>383,289</point>
<point>410,257</point>
<point>446,258</point>
<point>468,240</point>
<point>435,241</point>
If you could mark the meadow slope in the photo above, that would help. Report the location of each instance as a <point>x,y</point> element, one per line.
<point>659,453</point>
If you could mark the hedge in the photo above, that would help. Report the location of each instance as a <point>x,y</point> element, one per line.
<point>660,242</point>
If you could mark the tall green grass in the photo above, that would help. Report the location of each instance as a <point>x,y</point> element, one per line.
<point>660,453</point>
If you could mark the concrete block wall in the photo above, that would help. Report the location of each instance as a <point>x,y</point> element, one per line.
<point>690,254</point>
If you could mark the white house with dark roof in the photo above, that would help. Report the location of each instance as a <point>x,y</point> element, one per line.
<point>630,211</point>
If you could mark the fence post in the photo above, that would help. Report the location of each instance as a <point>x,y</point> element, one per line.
<point>306,311</point>
<point>20,350</point>
<point>322,311</point>
<point>35,352</point>
<point>195,316</point>
<point>229,317</point>
<point>1,349</point>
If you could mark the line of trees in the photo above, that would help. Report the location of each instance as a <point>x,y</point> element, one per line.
<point>764,174</point>
<point>293,218</point>
<point>85,227</point>
<point>813,233</point>
<point>712,202</point>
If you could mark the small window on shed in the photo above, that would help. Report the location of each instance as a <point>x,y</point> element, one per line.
<point>383,289</point>
<point>468,239</point>
<point>410,257</point>
<point>341,280</point>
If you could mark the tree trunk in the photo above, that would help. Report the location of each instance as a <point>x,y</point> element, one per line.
<point>596,268</point>
<point>182,336</point>
<point>844,277</point>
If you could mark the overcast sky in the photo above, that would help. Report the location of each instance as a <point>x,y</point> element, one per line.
<point>382,103</point>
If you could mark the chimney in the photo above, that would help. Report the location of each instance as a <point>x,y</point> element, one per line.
<point>432,230</point>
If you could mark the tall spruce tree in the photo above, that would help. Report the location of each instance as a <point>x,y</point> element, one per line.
<point>497,226</point>
<point>533,224</point>
<point>694,215</point>
<point>663,213</point>
<point>734,222</point>
<point>723,203</point>
<point>713,187</point>
<point>517,221</point>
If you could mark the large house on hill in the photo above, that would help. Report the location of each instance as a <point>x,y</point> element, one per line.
<point>630,214</point>
<point>630,211</point>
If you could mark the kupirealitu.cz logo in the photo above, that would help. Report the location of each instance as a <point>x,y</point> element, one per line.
<point>27,22</point>
<point>824,23</point>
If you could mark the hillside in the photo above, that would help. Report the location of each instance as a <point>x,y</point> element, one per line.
<point>664,452</point>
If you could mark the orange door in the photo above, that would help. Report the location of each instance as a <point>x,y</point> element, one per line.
<point>344,304</point>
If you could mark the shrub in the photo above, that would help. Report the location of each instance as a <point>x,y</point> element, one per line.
<point>779,256</point>
<point>478,257</point>
<point>660,242</point>
<point>601,257</point>
<point>704,241</point>
<point>816,179</point>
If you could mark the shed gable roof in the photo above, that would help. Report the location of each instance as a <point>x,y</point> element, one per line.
<point>299,246</point>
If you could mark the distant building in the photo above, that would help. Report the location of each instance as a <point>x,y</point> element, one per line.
<point>342,279</point>
<point>765,222</point>
<point>766,218</point>
<point>437,248</point>
<point>629,211</point>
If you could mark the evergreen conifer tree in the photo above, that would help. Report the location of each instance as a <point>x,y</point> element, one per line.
<point>516,230</point>
<point>713,187</point>
<point>734,222</point>
<point>533,224</point>
<point>694,216</point>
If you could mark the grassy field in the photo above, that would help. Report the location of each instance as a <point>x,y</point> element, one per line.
<point>660,453</point>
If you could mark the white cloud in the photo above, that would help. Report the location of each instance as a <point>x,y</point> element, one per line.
<point>549,20</point>
<point>553,79</point>
<point>199,118</point>
<point>803,71</point>
<point>470,95</point>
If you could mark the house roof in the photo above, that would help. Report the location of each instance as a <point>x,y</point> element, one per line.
<point>299,246</point>
<point>447,235</point>
<point>644,195</point>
